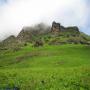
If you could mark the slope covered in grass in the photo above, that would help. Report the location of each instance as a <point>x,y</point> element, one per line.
<point>61,67</point>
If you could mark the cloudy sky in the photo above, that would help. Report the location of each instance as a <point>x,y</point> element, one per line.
<point>14,14</point>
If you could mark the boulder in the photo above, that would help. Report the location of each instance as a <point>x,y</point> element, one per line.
<point>38,43</point>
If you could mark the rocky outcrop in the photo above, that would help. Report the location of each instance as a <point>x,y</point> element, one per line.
<point>24,35</point>
<point>10,39</point>
<point>55,27</point>
<point>74,31</point>
<point>28,34</point>
<point>38,43</point>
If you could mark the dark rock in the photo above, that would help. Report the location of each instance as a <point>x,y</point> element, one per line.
<point>84,42</point>
<point>38,43</point>
<point>55,27</point>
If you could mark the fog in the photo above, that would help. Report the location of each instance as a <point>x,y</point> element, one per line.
<point>15,14</point>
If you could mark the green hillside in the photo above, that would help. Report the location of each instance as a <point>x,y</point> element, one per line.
<point>51,67</point>
<point>45,57</point>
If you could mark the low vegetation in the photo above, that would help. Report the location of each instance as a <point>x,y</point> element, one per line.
<point>48,67</point>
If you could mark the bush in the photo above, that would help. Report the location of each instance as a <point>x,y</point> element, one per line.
<point>38,43</point>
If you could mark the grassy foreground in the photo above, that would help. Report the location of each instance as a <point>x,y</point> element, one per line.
<point>64,67</point>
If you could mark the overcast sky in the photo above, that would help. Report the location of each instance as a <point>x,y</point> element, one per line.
<point>14,14</point>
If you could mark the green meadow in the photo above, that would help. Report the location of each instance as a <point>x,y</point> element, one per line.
<point>51,67</point>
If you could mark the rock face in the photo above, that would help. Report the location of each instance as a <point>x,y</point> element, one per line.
<point>24,35</point>
<point>28,34</point>
<point>55,27</point>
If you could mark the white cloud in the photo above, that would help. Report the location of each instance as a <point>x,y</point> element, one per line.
<point>18,13</point>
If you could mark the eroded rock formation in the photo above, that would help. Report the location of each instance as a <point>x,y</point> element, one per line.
<point>55,27</point>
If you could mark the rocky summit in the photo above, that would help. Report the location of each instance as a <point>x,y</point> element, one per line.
<point>55,34</point>
<point>57,29</point>
<point>29,34</point>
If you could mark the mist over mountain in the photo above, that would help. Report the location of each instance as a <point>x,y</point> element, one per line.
<point>40,34</point>
<point>44,44</point>
<point>15,14</point>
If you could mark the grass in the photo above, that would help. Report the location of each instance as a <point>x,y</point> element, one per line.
<point>60,67</point>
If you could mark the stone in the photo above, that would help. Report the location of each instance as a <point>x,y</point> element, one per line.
<point>55,27</point>
<point>38,43</point>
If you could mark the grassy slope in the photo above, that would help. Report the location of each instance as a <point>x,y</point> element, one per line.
<point>65,67</point>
